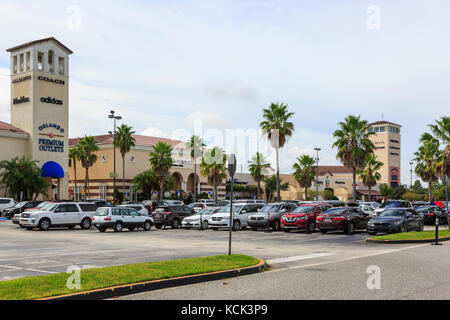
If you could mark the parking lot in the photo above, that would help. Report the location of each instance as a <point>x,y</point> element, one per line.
<point>29,253</point>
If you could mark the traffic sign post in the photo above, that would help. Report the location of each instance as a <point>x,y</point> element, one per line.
<point>231,172</point>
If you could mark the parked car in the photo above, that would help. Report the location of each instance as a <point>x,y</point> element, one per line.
<point>19,208</point>
<point>417,204</point>
<point>41,206</point>
<point>393,204</point>
<point>396,220</point>
<point>203,215</point>
<point>198,206</point>
<point>6,203</point>
<point>248,201</point>
<point>429,214</point>
<point>270,216</point>
<point>241,212</point>
<point>138,207</point>
<point>335,203</point>
<point>118,218</point>
<point>303,217</point>
<point>100,202</point>
<point>347,219</point>
<point>171,215</point>
<point>150,205</point>
<point>374,205</point>
<point>65,214</point>
<point>367,209</point>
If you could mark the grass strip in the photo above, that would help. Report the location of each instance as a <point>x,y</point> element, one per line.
<point>91,279</point>
<point>426,235</point>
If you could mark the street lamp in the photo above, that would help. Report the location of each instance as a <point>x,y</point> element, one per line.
<point>231,172</point>
<point>317,180</point>
<point>113,116</point>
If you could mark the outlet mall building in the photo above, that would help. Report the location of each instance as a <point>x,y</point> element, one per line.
<point>39,129</point>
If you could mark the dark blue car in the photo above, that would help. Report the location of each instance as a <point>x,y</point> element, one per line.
<point>395,220</point>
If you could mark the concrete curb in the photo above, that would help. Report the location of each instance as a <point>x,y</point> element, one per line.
<point>124,290</point>
<point>407,241</point>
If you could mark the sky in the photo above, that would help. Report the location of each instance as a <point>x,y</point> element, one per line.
<point>172,67</point>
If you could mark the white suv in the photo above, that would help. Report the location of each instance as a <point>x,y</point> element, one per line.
<point>6,203</point>
<point>66,214</point>
<point>241,212</point>
<point>138,207</point>
<point>118,218</point>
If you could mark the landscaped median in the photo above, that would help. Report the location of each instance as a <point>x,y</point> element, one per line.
<point>411,237</point>
<point>133,278</point>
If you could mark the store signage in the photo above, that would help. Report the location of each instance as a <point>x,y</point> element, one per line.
<point>51,125</point>
<point>21,100</point>
<point>51,100</point>
<point>57,81</point>
<point>22,79</point>
<point>51,145</point>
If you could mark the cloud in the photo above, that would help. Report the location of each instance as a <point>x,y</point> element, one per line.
<point>231,90</point>
<point>154,132</point>
<point>208,120</point>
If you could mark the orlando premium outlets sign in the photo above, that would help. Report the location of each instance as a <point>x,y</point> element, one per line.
<point>51,145</point>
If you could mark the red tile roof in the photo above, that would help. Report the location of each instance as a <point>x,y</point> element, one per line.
<point>333,169</point>
<point>6,127</point>
<point>383,122</point>
<point>141,141</point>
<point>38,41</point>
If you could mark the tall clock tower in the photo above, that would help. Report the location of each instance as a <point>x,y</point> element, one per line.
<point>40,106</point>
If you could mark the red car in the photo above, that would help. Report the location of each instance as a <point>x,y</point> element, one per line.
<point>347,219</point>
<point>303,217</point>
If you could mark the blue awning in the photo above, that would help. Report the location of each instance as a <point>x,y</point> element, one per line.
<point>52,169</point>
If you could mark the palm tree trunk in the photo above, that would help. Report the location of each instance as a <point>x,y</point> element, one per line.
<point>430,192</point>
<point>86,184</point>
<point>123,172</point>
<point>370,194</point>
<point>257,191</point>
<point>75,173</point>
<point>278,174</point>
<point>354,184</point>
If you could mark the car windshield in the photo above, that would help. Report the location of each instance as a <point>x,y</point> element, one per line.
<point>393,205</point>
<point>20,204</point>
<point>366,208</point>
<point>304,209</point>
<point>270,208</point>
<point>226,209</point>
<point>335,211</point>
<point>393,213</point>
<point>49,207</point>
<point>102,212</point>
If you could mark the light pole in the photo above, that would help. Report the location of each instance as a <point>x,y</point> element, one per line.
<point>317,179</point>
<point>113,116</point>
<point>231,172</point>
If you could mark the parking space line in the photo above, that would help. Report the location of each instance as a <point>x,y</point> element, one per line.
<point>41,271</point>
<point>298,258</point>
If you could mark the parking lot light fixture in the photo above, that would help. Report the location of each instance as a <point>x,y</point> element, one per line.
<point>317,174</point>
<point>231,172</point>
<point>112,115</point>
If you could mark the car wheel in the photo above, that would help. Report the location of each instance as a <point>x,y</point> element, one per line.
<point>205,225</point>
<point>158,226</point>
<point>350,229</point>
<point>86,224</point>
<point>118,227</point>
<point>147,225</point>
<point>311,227</point>
<point>102,229</point>
<point>44,224</point>
<point>236,225</point>
<point>175,224</point>
<point>276,225</point>
<point>323,231</point>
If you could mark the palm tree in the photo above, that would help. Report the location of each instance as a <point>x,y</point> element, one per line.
<point>353,144</point>
<point>88,156</point>
<point>213,167</point>
<point>441,131</point>
<point>369,173</point>
<point>146,182</point>
<point>74,155</point>
<point>427,160</point>
<point>386,191</point>
<point>304,172</point>
<point>278,128</point>
<point>270,184</point>
<point>22,175</point>
<point>124,140</point>
<point>196,144</point>
<point>258,169</point>
<point>161,161</point>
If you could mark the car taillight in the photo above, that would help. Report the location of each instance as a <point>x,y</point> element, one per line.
<point>339,218</point>
<point>169,212</point>
<point>319,218</point>
<point>430,214</point>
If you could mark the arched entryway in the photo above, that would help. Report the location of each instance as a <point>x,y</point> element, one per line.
<point>177,181</point>
<point>53,172</point>
<point>190,183</point>
<point>341,193</point>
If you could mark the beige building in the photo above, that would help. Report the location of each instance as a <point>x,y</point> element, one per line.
<point>136,162</point>
<point>40,110</point>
